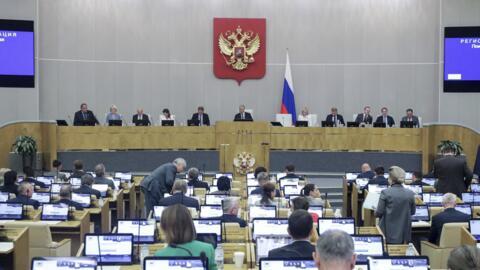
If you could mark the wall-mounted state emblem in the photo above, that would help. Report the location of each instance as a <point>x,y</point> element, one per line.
<point>244,162</point>
<point>239,50</point>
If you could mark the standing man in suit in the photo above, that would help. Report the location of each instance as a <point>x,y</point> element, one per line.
<point>385,118</point>
<point>449,215</point>
<point>200,118</point>
<point>364,118</point>
<point>179,190</point>
<point>242,115</point>
<point>85,117</point>
<point>411,118</point>
<point>335,118</point>
<point>300,225</point>
<point>141,119</point>
<point>452,173</point>
<point>160,181</point>
<point>395,209</point>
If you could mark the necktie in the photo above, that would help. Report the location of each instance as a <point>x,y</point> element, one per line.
<point>335,121</point>
<point>385,119</point>
<point>84,116</point>
<point>364,118</point>
<point>243,116</point>
<point>200,120</point>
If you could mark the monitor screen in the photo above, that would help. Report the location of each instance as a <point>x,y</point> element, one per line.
<point>464,208</point>
<point>64,263</point>
<point>267,211</point>
<point>287,264</point>
<point>142,230</point>
<point>114,248</point>
<point>344,224</point>
<point>213,189</point>
<point>250,189</point>
<point>4,196</point>
<point>55,188</point>
<point>251,176</point>
<point>317,209</point>
<point>229,175</point>
<point>254,199</point>
<point>292,190</point>
<point>83,199</point>
<point>211,211</point>
<point>270,227</point>
<point>11,211</point>
<point>252,182</point>
<point>280,175</point>
<point>265,244</point>
<point>76,181</point>
<point>362,182</point>
<point>471,198</point>
<point>174,263</point>
<point>421,213</point>
<point>289,182</point>
<point>102,188</point>
<point>41,197</point>
<point>408,175</point>
<point>54,211</point>
<point>367,245</point>
<point>475,228</point>
<point>461,58</point>
<point>47,180</point>
<point>398,263</point>
<point>417,189</point>
<point>157,211</point>
<point>475,187</point>
<point>429,181</point>
<point>351,176</point>
<point>17,51</point>
<point>214,199</point>
<point>209,226</point>
<point>124,176</point>
<point>373,188</point>
<point>432,199</point>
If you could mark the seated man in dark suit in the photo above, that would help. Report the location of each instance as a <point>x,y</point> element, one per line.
<point>385,118</point>
<point>10,183</point>
<point>141,119</point>
<point>417,178</point>
<point>85,117</point>
<point>449,215</point>
<point>201,118</point>
<point>379,178</point>
<point>179,190</point>
<point>77,169</point>
<point>300,225</point>
<point>242,115</point>
<point>30,177</point>
<point>230,207</point>
<point>193,181</point>
<point>366,172</point>
<point>335,118</point>
<point>262,179</point>
<point>411,118</point>
<point>290,171</point>
<point>100,177</point>
<point>65,195</point>
<point>86,187</point>
<point>25,192</point>
<point>364,118</point>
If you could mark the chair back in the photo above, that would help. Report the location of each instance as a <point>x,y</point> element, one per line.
<point>451,235</point>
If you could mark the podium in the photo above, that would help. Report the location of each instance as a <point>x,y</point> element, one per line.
<point>243,146</point>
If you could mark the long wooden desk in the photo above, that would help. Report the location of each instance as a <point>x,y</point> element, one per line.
<point>18,256</point>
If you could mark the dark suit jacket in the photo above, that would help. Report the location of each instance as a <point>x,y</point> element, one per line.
<point>71,203</point>
<point>414,120</point>
<point>369,175</point>
<point>368,119</point>
<point>297,249</point>
<point>159,182</point>
<point>84,189</point>
<point>390,121</point>
<point>339,119</point>
<point>449,215</point>
<point>233,219</point>
<point>35,182</point>
<point>238,117</point>
<point>453,175</point>
<point>77,174</point>
<point>198,184</point>
<point>291,175</point>
<point>25,200</point>
<point>205,122</point>
<point>90,119</point>
<point>180,198</point>
<point>140,123</point>
<point>10,189</point>
<point>379,180</point>
<point>259,191</point>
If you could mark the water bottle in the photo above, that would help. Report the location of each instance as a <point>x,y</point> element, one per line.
<point>143,253</point>
<point>410,250</point>
<point>338,213</point>
<point>219,257</point>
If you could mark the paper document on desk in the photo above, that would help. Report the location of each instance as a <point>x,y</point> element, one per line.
<point>48,222</point>
<point>6,246</point>
<point>371,201</point>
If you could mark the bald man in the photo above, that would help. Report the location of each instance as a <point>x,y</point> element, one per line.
<point>366,172</point>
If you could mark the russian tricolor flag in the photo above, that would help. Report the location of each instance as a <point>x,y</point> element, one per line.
<point>288,98</point>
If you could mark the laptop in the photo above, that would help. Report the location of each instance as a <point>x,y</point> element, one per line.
<point>4,196</point>
<point>117,123</point>
<point>421,218</point>
<point>269,227</point>
<point>54,211</point>
<point>55,188</point>
<point>374,188</point>
<point>76,182</point>
<point>62,123</point>
<point>103,188</point>
<point>344,224</point>
<point>124,176</point>
<point>406,124</point>
<point>351,176</point>
<point>210,238</point>
<point>243,120</point>
<point>367,245</point>
<point>471,198</point>
<point>399,263</point>
<point>176,263</point>
<point>353,124</point>
<point>11,211</point>
<point>47,180</point>
<point>316,209</point>
<point>379,125</point>
<point>157,212</point>
<point>109,249</point>
<point>209,225</point>
<point>168,123</point>
<point>63,263</point>
<point>432,199</point>
<point>276,124</point>
<point>416,188</point>
<point>327,124</point>
<point>41,197</point>
<point>301,124</point>
<point>286,264</point>
<point>475,187</point>
<point>191,123</point>
<point>215,199</point>
<point>141,123</point>
<point>264,244</point>
<point>211,211</point>
<point>474,225</point>
<point>83,199</point>
<point>143,230</point>
<point>291,190</point>
<point>266,211</point>
<point>429,181</point>
<point>289,182</point>
<point>464,208</point>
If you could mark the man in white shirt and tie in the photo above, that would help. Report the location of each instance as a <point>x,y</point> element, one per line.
<point>365,117</point>
<point>385,118</point>
<point>141,119</point>
<point>200,118</point>
<point>242,115</point>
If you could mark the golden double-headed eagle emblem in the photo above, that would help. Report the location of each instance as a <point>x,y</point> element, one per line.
<point>238,48</point>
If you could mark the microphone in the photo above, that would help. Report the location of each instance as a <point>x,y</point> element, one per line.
<point>99,253</point>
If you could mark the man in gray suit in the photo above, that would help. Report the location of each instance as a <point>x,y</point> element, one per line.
<point>160,181</point>
<point>411,118</point>
<point>395,209</point>
<point>452,173</point>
